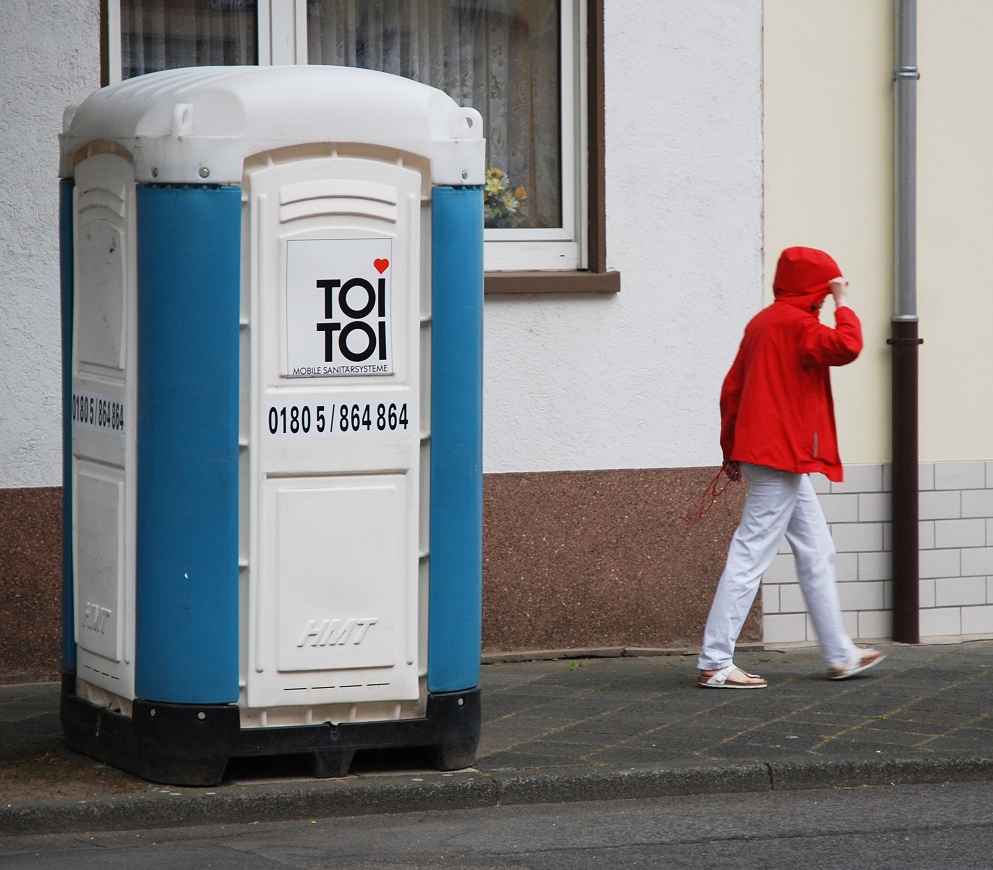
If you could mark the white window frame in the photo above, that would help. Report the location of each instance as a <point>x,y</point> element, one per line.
<point>282,34</point>
<point>562,248</point>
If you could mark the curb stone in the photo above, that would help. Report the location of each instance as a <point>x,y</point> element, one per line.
<point>472,789</point>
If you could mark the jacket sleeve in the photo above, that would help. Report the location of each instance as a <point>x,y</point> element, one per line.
<point>824,346</point>
<point>730,402</point>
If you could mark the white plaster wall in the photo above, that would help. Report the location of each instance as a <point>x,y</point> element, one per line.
<point>632,380</point>
<point>51,58</point>
<point>626,381</point>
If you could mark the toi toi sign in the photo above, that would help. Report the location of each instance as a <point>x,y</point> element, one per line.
<point>338,307</point>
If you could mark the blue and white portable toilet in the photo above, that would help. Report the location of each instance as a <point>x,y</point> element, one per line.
<point>272,306</point>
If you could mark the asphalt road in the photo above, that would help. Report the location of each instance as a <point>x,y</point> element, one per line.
<point>921,826</point>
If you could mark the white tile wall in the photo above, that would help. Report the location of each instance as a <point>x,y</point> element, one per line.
<point>791,599</point>
<point>976,620</point>
<point>872,566</point>
<point>956,555</point>
<point>941,563</point>
<point>977,503</point>
<point>959,591</point>
<point>857,537</point>
<point>941,622</point>
<point>977,560</point>
<point>863,596</point>
<point>940,504</point>
<point>875,507</point>
<point>783,628</point>
<point>960,475</point>
<point>955,534</point>
<point>860,478</point>
<point>874,624</point>
<point>840,507</point>
<point>847,565</point>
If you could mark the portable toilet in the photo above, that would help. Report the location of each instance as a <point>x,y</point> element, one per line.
<point>272,332</point>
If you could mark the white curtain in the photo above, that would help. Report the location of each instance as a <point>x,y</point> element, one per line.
<point>499,56</point>
<point>165,34</point>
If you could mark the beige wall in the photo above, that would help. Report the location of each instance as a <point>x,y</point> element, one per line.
<point>828,135</point>
<point>955,228</point>
<point>827,79</point>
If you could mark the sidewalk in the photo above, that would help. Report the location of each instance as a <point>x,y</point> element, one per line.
<point>582,729</point>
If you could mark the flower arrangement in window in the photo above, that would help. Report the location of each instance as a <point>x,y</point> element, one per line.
<point>502,206</point>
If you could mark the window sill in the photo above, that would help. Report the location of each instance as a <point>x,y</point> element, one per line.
<point>551,282</point>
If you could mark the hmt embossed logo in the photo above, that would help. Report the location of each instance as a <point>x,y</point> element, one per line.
<point>96,618</point>
<point>335,632</point>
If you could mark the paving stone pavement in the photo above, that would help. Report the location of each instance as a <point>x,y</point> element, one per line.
<point>922,701</point>
<point>598,727</point>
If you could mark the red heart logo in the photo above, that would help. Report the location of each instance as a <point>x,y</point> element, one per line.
<point>381,265</point>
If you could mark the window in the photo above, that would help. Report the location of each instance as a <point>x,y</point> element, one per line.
<point>164,34</point>
<point>530,67</point>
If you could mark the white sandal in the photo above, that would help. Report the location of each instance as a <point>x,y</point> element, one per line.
<point>721,680</point>
<point>861,660</point>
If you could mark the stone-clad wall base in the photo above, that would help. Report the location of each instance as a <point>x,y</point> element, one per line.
<point>589,559</point>
<point>956,555</point>
<point>31,584</point>
<point>572,560</point>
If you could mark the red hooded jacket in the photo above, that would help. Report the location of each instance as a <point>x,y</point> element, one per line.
<point>776,403</point>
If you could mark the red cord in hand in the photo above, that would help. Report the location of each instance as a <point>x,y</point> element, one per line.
<point>715,489</point>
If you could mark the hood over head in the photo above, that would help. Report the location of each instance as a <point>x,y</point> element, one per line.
<point>803,276</point>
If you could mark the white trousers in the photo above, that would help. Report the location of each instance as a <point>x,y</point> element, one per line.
<point>778,503</point>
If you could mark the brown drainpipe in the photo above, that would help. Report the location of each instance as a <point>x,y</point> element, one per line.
<point>905,340</point>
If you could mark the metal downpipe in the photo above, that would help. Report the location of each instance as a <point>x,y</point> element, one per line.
<point>904,334</point>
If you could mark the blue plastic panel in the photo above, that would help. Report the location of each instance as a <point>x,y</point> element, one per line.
<point>455,600</point>
<point>66,187</point>
<point>186,623</point>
